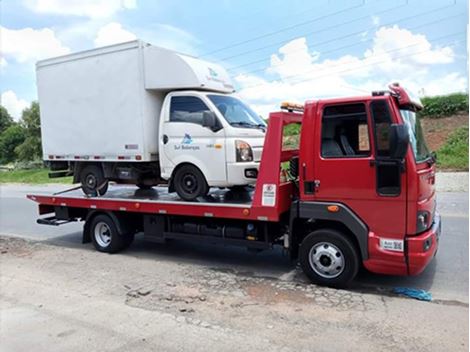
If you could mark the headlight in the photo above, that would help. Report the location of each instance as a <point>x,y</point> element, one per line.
<point>244,152</point>
<point>423,221</point>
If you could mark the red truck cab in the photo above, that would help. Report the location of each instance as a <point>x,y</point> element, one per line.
<point>369,154</point>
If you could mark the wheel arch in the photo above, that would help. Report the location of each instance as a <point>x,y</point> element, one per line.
<point>307,217</point>
<point>171,185</point>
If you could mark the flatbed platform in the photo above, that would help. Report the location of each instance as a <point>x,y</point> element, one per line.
<point>157,200</point>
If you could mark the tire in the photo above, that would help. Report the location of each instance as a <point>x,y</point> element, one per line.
<point>106,237</point>
<point>92,177</point>
<point>329,258</point>
<point>190,183</point>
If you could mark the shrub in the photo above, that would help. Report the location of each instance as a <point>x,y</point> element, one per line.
<point>444,105</point>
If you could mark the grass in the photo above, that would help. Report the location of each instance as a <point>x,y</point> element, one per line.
<point>32,176</point>
<point>446,105</point>
<point>454,153</point>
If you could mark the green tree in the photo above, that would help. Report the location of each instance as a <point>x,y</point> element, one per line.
<point>5,119</point>
<point>10,139</point>
<point>30,149</point>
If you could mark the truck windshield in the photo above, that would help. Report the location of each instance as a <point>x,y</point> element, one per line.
<point>417,141</point>
<point>236,112</point>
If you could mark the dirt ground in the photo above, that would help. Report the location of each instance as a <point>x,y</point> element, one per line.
<point>56,297</point>
<point>438,130</point>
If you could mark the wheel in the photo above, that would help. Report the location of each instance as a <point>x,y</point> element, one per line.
<point>93,180</point>
<point>329,258</point>
<point>190,183</point>
<point>106,237</point>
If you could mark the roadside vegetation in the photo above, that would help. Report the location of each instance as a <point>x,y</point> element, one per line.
<point>444,119</point>
<point>454,153</point>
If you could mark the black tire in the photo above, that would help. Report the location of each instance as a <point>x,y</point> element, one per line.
<point>93,181</point>
<point>106,237</point>
<point>190,183</point>
<point>329,258</point>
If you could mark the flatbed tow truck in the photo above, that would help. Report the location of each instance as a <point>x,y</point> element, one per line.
<point>341,199</point>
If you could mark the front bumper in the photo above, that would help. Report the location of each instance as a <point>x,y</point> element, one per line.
<point>417,255</point>
<point>237,173</point>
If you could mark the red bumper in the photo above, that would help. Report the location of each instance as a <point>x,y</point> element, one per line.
<point>422,248</point>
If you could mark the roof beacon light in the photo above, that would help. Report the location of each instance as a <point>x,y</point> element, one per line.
<point>291,107</point>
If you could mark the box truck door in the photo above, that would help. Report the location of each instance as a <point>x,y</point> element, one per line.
<point>185,140</point>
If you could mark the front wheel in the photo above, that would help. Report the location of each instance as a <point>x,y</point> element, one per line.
<point>190,183</point>
<point>329,258</point>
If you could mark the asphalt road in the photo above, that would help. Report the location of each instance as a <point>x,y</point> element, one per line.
<point>446,277</point>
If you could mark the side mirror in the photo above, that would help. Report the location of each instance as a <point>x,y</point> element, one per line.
<point>399,140</point>
<point>209,120</point>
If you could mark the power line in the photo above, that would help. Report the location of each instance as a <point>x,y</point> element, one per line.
<point>308,33</point>
<point>337,38</point>
<point>270,34</point>
<point>352,69</point>
<point>349,45</point>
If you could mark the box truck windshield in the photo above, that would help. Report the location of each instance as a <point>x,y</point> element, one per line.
<point>236,112</point>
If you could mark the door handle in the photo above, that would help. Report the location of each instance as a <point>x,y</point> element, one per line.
<point>165,139</point>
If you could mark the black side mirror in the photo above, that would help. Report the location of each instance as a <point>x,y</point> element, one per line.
<point>209,120</point>
<point>399,141</point>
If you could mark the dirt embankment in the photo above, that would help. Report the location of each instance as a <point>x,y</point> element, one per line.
<point>438,130</point>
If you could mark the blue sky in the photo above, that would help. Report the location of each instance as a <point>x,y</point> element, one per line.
<point>274,50</point>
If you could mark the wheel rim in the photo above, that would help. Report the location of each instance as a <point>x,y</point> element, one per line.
<point>102,234</point>
<point>189,183</point>
<point>326,260</point>
<point>90,181</point>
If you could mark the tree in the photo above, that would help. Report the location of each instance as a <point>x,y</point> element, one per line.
<point>5,119</point>
<point>10,139</point>
<point>30,149</point>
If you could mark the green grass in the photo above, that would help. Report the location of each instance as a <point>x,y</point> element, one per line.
<point>32,176</point>
<point>454,153</point>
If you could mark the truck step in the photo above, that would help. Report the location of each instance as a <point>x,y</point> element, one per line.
<point>52,220</point>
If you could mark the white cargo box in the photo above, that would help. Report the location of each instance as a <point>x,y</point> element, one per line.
<point>104,104</point>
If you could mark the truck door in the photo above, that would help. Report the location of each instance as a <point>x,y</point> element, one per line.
<point>185,140</point>
<point>352,165</point>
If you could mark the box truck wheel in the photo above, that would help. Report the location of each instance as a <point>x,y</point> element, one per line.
<point>190,183</point>
<point>93,180</point>
<point>105,235</point>
<point>329,258</point>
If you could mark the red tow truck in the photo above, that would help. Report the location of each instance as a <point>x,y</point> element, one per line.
<point>358,190</point>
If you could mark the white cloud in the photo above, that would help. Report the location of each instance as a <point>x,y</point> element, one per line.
<point>30,44</point>
<point>3,62</point>
<point>13,104</point>
<point>85,8</point>
<point>113,33</point>
<point>395,55</point>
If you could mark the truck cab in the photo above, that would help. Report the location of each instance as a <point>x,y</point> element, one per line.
<point>208,139</point>
<point>369,154</point>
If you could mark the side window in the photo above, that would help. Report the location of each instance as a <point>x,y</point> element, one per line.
<point>388,172</point>
<point>345,133</point>
<point>382,122</point>
<point>187,109</point>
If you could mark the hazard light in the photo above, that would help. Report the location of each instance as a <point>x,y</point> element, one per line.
<point>286,105</point>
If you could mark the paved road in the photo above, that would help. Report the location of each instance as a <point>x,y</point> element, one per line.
<point>446,277</point>
<point>58,294</point>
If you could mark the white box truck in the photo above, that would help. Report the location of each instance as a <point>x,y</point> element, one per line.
<point>136,113</point>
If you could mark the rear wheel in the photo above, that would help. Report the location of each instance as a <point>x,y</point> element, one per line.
<point>93,181</point>
<point>190,183</point>
<point>106,237</point>
<point>329,258</point>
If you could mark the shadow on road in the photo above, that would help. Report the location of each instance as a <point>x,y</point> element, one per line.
<point>272,265</point>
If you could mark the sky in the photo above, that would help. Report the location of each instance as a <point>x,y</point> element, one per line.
<point>274,50</point>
